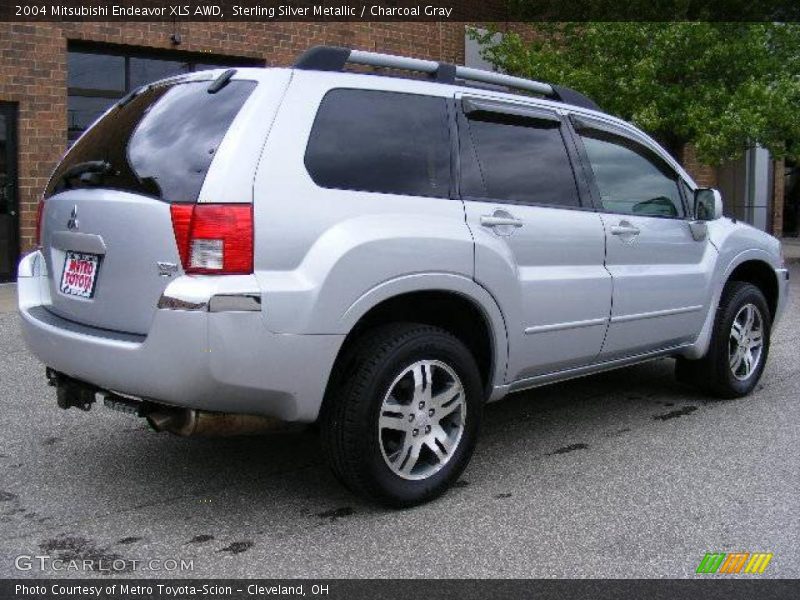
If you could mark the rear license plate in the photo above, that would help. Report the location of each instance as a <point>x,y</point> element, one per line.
<point>80,274</point>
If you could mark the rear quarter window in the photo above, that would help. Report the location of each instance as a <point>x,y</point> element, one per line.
<point>160,144</point>
<point>375,141</point>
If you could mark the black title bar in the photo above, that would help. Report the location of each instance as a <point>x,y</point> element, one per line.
<point>400,10</point>
<point>705,587</point>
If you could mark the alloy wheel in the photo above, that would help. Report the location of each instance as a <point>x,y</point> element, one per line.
<point>422,419</point>
<point>746,342</point>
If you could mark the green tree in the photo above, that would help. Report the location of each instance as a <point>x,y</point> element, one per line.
<point>719,86</point>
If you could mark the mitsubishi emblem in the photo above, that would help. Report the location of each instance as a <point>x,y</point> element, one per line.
<point>73,218</point>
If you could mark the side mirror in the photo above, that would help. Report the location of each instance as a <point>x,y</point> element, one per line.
<point>707,204</point>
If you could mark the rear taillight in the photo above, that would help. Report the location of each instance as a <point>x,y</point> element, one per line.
<point>214,239</point>
<point>39,216</point>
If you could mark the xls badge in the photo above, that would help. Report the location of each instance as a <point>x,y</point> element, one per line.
<point>166,269</point>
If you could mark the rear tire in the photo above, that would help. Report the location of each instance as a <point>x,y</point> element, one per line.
<point>401,419</point>
<point>739,345</point>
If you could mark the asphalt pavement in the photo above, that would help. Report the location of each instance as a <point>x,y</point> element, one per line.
<point>625,474</point>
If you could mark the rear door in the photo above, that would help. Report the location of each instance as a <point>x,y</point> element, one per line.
<point>107,232</point>
<point>661,274</point>
<point>538,248</point>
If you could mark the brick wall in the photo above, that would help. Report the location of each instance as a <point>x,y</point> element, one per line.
<point>33,70</point>
<point>704,175</point>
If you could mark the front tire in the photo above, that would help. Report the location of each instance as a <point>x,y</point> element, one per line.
<point>739,345</point>
<point>401,420</point>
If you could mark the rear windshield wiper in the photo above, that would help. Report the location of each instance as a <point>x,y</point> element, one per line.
<point>221,81</point>
<point>88,171</point>
<point>131,95</point>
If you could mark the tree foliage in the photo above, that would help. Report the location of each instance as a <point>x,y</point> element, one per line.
<point>720,86</point>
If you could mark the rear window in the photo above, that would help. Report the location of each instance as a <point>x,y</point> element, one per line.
<point>159,144</point>
<point>386,142</point>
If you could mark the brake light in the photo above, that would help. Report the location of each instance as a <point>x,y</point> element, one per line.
<point>39,216</point>
<point>214,239</point>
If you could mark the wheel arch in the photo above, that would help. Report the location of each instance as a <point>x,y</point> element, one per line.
<point>452,302</point>
<point>753,266</point>
<point>763,276</point>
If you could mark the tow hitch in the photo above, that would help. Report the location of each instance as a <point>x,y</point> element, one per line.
<point>79,394</point>
<point>180,421</point>
<point>71,392</point>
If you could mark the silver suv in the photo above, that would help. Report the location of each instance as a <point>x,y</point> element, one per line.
<point>379,255</point>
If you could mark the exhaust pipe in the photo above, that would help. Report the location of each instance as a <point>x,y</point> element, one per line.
<point>191,422</point>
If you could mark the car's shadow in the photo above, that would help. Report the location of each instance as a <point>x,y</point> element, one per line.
<point>277,469</point>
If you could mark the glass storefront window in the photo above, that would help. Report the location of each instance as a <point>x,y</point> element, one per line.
<point>145,70</point>
<point>95,71</point>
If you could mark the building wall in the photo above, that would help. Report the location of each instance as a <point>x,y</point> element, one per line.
<point>33,70</point>
<point>778,195</point>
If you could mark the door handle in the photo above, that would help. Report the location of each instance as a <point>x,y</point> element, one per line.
<point>625,228</point>
<point>499,221</point>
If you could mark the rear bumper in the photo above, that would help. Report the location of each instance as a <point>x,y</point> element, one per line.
<point>224,360</point>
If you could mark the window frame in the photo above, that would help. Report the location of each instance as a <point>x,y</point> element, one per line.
<point>576,121</point>
<point>463,140</point>
<point>687,192</point>
<point>447,127</point>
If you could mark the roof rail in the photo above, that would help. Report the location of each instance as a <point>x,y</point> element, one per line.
<point>334,58</point>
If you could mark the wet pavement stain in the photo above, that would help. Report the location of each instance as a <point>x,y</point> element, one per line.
<point>503,495</point>
<point>619,432</point>
<point>461,483</point>
<point>201,539</point>
<point>675,414</point>
<point>570,448</point>
<point>336,513</point>
<point>78,548</point>
<point>129,540</point>
<point>7,496</point>
<point>237,547</point>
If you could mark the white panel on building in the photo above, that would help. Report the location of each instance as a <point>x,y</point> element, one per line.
<point>472,51</point>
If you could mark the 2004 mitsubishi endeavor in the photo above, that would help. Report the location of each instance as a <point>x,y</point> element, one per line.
<point>380,255</point>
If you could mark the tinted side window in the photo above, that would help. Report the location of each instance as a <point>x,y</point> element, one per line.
<point>384,142</point>
<point>631,179</point>
<point>516,160</point>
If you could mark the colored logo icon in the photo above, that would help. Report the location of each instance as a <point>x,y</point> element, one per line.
<point>721,563</point>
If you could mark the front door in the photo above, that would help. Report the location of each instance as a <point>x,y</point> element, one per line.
<point>538,248</point>
<point>661,274</point>
<point>9,210</point>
